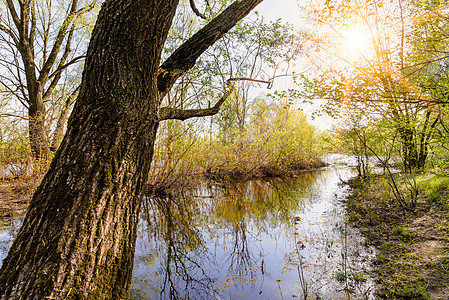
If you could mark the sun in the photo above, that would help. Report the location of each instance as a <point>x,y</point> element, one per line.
<point>356,42</point>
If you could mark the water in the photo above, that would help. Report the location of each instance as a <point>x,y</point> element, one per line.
<point>262,239</point>
<point>14,170</point>
<point>275,239</point>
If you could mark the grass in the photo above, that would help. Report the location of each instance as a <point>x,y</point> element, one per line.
<point>412,292</point>
<point>412,261</point>
<point>384,246</point>
<point>340,276</point>
<point>380,257</point>
<point>401,231</point>
<point>445,261</point>
<point>358,277</point>
<point>436,188</point>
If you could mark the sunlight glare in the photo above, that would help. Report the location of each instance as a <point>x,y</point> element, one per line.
<point>356,42</point>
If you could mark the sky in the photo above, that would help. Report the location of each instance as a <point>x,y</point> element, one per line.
<point>289,11</point>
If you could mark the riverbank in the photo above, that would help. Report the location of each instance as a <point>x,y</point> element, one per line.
<point>282,225</point>
<point>413,244</point>
<point>233,166</point>
<point>15,196</point>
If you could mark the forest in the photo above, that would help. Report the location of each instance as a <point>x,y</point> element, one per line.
<point>218,149</point>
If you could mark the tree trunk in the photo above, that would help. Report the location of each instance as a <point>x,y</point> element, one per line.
<point>25,30</point>
<point>58,134</point>
<point>409,154</point>
<point>37,130</point>
<point>78,237</point>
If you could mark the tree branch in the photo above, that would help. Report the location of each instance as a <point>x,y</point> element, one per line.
<point>167,113</point>
<point>186,55</point>
<point>61,65</point>
<point>64,113</point>
<point>33,26</point>
<point>58,42</point>
<point>196,11</point>
<point>62,34</point>
<point>13,13</point>
<point>10,33</point>
<point>249,79</point>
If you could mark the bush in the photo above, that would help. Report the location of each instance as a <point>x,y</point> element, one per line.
<point>276,141</point>
<point>15,152</point>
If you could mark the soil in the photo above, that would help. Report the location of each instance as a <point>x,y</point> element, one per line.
<point>413,244</point>
<point>15,197</point>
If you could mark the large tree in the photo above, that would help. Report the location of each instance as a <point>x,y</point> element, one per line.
<point>40,42</point>
<point>78,237</point>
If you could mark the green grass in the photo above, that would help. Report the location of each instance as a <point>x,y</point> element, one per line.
<point>446,261</point>
<point>358,277</point>
<point>384,246</point>
<point>340,276</point>
<point>411,292</point>
<point>381,257</point>
<point>436,188</point>
<point>400,230</point>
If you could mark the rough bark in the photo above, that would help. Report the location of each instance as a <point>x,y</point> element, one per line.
<point>78,237</point>
<point>37,130</point>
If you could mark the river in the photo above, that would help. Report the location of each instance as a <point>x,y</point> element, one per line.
<point>259,239</point>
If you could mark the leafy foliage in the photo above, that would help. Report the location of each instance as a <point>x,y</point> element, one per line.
<point>277,140</point>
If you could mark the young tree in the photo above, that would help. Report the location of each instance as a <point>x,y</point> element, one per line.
<point>78,237</point>
<point>379,83</point>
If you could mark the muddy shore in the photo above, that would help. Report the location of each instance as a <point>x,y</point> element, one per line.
<point>413,245</point>
<point>15,197</point>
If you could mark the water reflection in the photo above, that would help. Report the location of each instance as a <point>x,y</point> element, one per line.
<point>273,239</point>
<point>171,260</point>
<point>264,239</point>
<point>8,230</point>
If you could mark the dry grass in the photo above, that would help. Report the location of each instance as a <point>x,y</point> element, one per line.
<point>15,197</point>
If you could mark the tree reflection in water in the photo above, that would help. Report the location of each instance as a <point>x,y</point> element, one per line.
<point>174,250</point>
<point>264,204</point>
<point>219,242</point>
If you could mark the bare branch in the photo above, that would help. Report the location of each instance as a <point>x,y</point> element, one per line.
<point>73,14</point>
<point>9,32</point>
<point>58,41</point>
<point>196,11</point>
<point>25,10</point>
<point>249,79</point>
<point>13,13</point>
<point>166,113</point>
<point>64,113</point>
<point>186,55</point>
<point>65,66</point>
<point>61,66</point>
<point>33,26</point>
<point>2,115</point>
